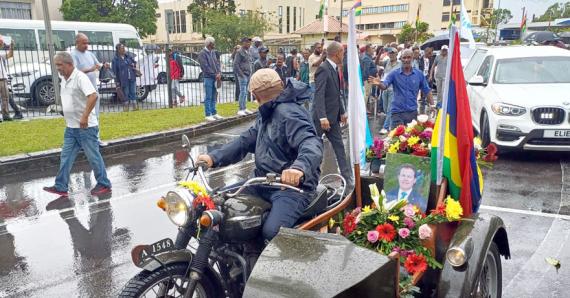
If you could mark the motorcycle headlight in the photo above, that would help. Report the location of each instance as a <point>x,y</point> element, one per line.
<point>179,206</point>
<point>507,109</point>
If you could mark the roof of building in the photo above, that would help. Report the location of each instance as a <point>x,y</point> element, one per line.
<point>317,27</point>
<point>526,51</point>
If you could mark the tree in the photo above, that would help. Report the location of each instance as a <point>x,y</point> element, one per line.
<point>139,13</point>
<point>410,34</point>
<point>497,16</point>
<point>228,29</point>
<point>199,10</point>
<point>556,11</point>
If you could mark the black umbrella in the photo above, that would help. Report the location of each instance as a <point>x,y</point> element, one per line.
<point>437,42</point>
<point>541,36</point>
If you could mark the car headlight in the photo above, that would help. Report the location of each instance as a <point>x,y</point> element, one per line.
<point>179,206</point>
<point>507,109</point>
<point>456,256</point>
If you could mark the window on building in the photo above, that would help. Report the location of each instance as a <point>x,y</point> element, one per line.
<point>196,25</point>
<point>62,39</point>
<point>242,12</point>
<point>288,20</point>
<point>446,2</point>
<point>294,18</point>
<point>372,26</point>
<point>182,21</point>
<point>15,10</point>
<point>445,17</point>
<point>456,2</point>
<point>99,37</point>
<point>177,22</point>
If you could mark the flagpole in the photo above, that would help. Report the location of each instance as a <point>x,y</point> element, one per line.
<point>443,116</point>
<point>340,33</point>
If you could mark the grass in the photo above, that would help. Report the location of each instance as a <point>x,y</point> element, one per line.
<point>18,137</point>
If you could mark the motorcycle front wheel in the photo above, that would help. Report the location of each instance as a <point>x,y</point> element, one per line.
<point>167,282</point>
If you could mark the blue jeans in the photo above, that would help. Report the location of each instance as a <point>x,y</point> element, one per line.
<point>75,139</point>
<point>211,95</point>
<point>130,90</point>
<point>387,97</point>
<point>313,89</point>
<point>243,82</point>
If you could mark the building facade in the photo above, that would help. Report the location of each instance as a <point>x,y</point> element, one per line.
<point>286,16</point>
<point>30,10</point>
<point>382,20</point>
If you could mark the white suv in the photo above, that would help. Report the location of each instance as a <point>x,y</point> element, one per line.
<point>520,97</point>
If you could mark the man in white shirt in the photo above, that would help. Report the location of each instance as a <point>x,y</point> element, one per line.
<point>78,98</point>
<point>88,63</point>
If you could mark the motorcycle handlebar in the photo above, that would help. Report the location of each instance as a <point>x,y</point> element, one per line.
<point>269,179</point>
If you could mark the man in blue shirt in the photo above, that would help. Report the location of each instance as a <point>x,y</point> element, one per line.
<point>407,82</point>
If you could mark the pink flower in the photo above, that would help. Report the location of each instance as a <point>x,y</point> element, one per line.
<point>357,220</point>
<point>373,236</point>
<point>409,223</point>
<point>424,231</point>
<point>409,210</point>
<point>404,233</point>
<point>426,135</point>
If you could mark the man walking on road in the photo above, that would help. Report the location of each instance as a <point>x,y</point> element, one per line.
<point>78,98</point>
<point>242,67</point>
<point>407,82</point>
<point>329,110</point>
<point>388,95</point>
<point>212,75</point>
<point>86,62</point>
<point>439,68</point>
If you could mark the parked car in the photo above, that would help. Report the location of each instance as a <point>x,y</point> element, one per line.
<point>34,81</point>
<point>519,97</point>
<point>227,65</point>
<point>192,70</point>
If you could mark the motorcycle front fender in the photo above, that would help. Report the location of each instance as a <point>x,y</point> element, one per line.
<point>165,258</point>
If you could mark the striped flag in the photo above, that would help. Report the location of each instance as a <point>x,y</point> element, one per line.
<point>523,23</point>
<point>360,137</point>
<point>357,7</point>
<point>323,8</point>
<point>466,26</point>
<point>452,140</point>
<point>418,15</point>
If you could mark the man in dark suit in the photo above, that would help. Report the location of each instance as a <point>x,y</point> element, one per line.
<point>406,181</point>
<point>329,110</point>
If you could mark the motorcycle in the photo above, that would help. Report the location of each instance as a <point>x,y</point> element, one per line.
<point>226,225</point>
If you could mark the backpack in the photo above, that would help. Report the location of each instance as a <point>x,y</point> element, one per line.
<point>178,59</point>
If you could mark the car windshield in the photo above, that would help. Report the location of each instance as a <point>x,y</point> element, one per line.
<point>533,70</point>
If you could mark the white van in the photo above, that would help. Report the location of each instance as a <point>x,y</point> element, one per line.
<point>31,75</point>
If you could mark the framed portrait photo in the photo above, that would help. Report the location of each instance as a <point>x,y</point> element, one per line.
<point>408,177</point>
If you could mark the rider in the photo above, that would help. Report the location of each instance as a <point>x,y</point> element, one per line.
<point>284,141</point>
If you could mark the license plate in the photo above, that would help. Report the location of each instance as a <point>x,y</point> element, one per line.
<point>560,133</point>
<point>145,252</point>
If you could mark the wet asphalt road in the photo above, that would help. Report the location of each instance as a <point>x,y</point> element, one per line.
<point>52,247</point>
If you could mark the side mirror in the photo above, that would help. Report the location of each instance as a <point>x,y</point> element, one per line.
<point>185,142</point>
<point>477,81</point>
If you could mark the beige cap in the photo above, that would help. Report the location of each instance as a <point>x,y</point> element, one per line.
<point>265,80</point>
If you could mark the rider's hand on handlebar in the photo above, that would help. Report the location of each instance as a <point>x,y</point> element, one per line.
<point>292,177</point>
<point>205,158</point>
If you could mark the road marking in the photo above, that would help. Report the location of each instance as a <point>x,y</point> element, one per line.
<point>225,134</point>
<point>526,212</point>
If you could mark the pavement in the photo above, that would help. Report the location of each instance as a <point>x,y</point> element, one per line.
<point>53,247</point>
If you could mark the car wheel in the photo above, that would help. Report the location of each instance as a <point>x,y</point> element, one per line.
<point>485,130</point>
<point>489,283</point>
<point>44,93</point>
<point>161,78</point>
<point>142,93</point>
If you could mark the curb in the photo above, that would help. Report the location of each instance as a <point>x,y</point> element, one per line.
<point>39,161</point>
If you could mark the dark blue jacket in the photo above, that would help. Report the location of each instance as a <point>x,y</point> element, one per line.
<point>368,67</point>
<point>124,69</point>
<point>282,137</point>
<point>414,198</point>
<point>209,63</point>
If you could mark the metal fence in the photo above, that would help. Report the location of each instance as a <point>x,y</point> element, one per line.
<point>33,93</point>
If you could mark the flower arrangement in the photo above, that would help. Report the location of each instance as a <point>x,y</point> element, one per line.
<point>202,198</point>
<point>414,139</point>
<point>485,156</point>
<point>397,226</point>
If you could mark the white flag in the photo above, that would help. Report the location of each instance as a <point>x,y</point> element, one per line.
<point>360,136</point>
<point>466,26</point>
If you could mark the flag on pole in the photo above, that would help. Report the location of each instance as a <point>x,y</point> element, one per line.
<point>452,140</point>
<point>322,8</point>
<point>360,137</point>
<point>357,7</point>
<point>326,16</point>
<point>418,15</point>
<point>452,18</point>
<point>523,23</point>
<point>466,26</point>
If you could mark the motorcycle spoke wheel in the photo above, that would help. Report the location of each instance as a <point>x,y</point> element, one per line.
<point>172,288</point>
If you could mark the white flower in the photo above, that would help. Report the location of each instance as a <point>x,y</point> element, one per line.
<point>423,118</point>
<point>413,123</point>
<point>428,129</point>
<point>403,138</point>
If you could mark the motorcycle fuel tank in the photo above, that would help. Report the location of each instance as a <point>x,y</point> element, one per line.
<point>243,217</point>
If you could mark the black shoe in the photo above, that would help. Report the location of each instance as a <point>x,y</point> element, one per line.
<point>6,117</point>
<point>52,189</point>
<point>18,116</point>
<point>99,190</point>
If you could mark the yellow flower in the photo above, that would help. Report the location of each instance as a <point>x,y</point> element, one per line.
<point>477,141</point>
<point>366,209</point>
<point>331,223</point>
<point>394,218</point>
<point>193,186</point>
<point>394,147</point>
<point>453,209</point>
<point>413,140</point>
<point>416,209</point>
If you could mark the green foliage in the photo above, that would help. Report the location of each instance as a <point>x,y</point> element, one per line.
<point>139,13</point>
<point>556,11</point>
<point>408,33</point>
<point>199,10</point>
<point>498,16</point>
<point>229,29</point>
